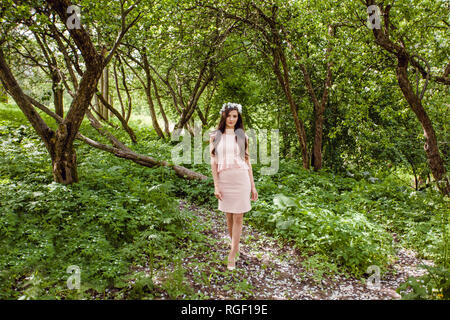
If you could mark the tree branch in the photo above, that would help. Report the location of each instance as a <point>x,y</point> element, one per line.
<point>124,28</point>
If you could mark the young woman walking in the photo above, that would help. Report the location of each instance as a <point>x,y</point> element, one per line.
<point>232,173</point>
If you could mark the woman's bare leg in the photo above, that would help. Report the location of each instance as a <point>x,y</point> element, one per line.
<point>230,225</point>
<point>237,231</point>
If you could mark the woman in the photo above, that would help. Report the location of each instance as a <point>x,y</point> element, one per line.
<point>232,173</point>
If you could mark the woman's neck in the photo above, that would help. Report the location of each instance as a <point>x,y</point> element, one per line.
<point>229,130</point>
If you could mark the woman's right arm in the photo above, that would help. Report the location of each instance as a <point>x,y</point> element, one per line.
<point>214,168</point>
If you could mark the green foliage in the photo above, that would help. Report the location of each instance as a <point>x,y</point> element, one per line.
<point>348,238</point>
<point>319,265</point>
<point>433,285</point>
<point>350,221</point>
<point>142,288</point>
<point>176,285</point>
<point>118,215</point>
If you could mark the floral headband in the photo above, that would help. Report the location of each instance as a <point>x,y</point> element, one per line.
<point>230,105</point>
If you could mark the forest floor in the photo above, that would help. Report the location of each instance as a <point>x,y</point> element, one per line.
<point>268,269</point>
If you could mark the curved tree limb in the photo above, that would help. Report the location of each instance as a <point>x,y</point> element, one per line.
<point>119,149</point>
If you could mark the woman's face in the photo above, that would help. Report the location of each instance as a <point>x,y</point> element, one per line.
<point>232,118</point>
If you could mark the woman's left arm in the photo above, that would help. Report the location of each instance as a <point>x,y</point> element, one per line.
<point>250,173</point>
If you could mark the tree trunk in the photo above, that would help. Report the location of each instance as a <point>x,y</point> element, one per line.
<point>58,94</point>
<point>151,106</point>
<point>319,106</point>
<point>119,95</point>
<point>414,99</point>
<point>124,123</point>
<point>97,100</point>
<point>161,109</point>
<point>124,83</point>
<point>318,136</point>
<point>16,92</point>
<point>283,79</point>
<point>431,147</point>
<point>105,92</point>
<point>64,166</point>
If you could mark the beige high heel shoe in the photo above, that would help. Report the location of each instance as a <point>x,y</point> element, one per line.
<point>231,266</point>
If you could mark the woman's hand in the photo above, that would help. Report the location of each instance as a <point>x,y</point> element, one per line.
<point>217,193</point>
<point>254,194</point>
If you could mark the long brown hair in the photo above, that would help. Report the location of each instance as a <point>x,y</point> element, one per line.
<point>238,129</point>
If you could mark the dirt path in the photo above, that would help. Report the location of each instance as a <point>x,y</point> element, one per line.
<point>266,269</point>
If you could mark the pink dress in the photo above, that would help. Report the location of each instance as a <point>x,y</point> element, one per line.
<point>234,180</point>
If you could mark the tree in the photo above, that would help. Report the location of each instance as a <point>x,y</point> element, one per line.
<point>268,26</point>
<point>384,39</point>
<point>59,143</point>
